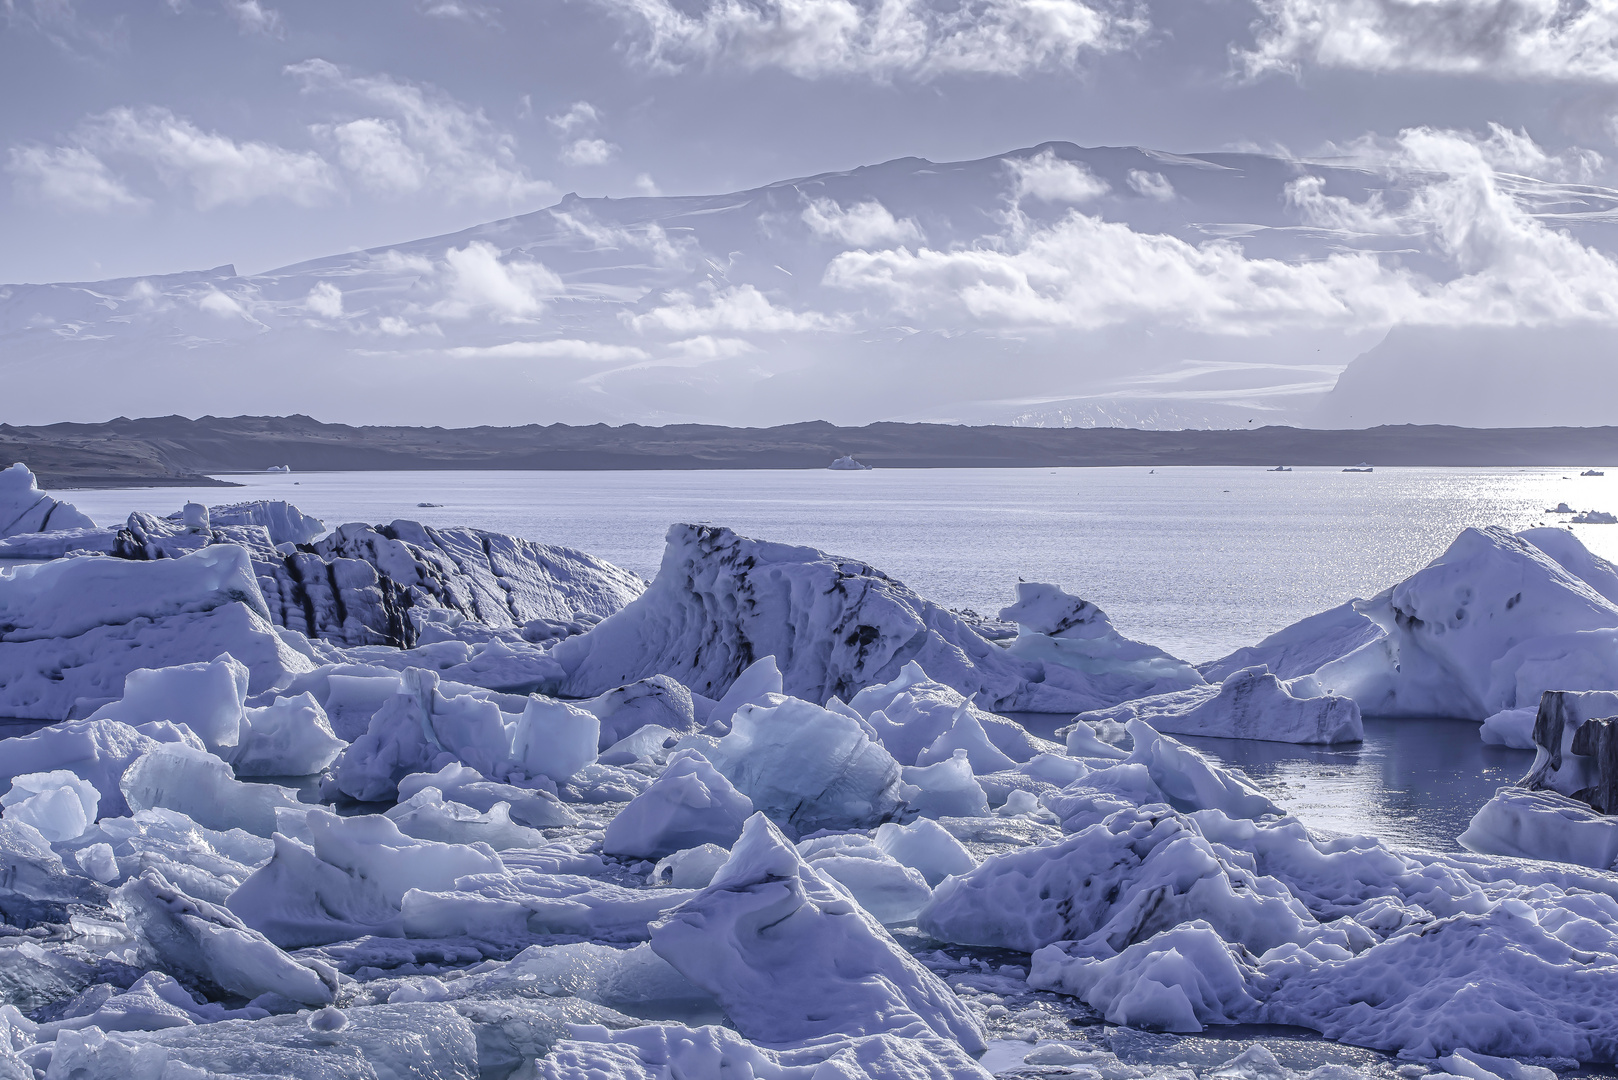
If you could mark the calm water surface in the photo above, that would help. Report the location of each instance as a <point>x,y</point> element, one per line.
<point>1197,560</point>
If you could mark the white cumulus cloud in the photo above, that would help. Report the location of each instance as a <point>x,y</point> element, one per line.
<point>325,300</point>
<point>70,177</point>
<point>418,139</point>
<point>1542,40</point>
<point>588,152</point>
<point>1051,179</point>
<point>883,39</point>
<point>554,349</point>
<point>1153,185</point>
<point>478,281</point>
<point>738,309</point>
<point>864,225</point>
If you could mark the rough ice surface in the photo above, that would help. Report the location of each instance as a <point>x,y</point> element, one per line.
<point>792,957</point>
<point>576,888</point>
<point>1248,704</point>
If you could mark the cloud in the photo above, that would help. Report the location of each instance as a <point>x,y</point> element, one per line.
<point>864,225</point>
<point>556,349</point>
<point>70,177</point>
<point>645,185</point>
<point>1537,40</point>
<point>325,300</point>
<point>423,139</point>
<point>59,22</point>
<point>1152,185</point>
<point>478,281</point>
<point>738,309</point>
<point>217,169</point>
<point>222,304</point>
<point>1051,179</point>
<point>1503,266</point>
<point>882,39</point>
<point>588,152</point>
<point>579,116</point>
<point>708,347</point>
<point>254,18</point>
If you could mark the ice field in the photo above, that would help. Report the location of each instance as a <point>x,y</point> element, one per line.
<point>436,796</point>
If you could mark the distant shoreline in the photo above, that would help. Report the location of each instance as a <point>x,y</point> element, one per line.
<point>176,451</point>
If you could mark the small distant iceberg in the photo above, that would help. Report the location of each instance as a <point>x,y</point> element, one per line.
<point>1361,467</point>
<point>1279,468</point>
<point>1561,508</point>
<point>1594,517</point>
<point>441,504</point>
<point>279,468</point>
<point>847,464</point>
<point>1592,472</point>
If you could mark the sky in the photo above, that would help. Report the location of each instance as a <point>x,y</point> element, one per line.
<point>149,137</point>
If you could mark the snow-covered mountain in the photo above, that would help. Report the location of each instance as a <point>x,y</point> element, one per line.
<point>1050,285</point>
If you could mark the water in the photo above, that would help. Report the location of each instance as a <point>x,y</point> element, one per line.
<point>1197,560</point>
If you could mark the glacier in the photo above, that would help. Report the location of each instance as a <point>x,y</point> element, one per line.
<point>765,815</point>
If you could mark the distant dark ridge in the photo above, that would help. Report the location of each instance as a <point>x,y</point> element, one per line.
<point>174,449</point>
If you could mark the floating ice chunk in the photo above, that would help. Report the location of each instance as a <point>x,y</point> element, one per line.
<point>1083,742</point>
<point>635,978</point>
<point>692,868</point>
<point>155,1001</point>
<point>1477,1066</point>
<point>427,815</point>
<point>926,846</point>
<point>285,523</point>
<point>207,698</point>
<point>1303,647</point>
<point>555,739</point>
<point>790,957</point>
<point>808,768</point>
<point>351,701</point>
<point>1179,980</point>
<point>97,750</point>
<point>1115,883</point>
<point>24,508</point>
<point>888,890</point>
<point>753,686</point>
<point>73,629</point>
<point>288,738</point>
<point>1576,559</point>
<point>537,809</point>
<point>181,934</point>
<point>1063,631</point>
<point>201,786</point>
<point>649,744</point>
<point>691,804</point>
<point>350,880</point>
<point>1511,727</point>
<point>1056,769</point>
<point>1248,704</point>
<point>1189,780</point>
<point>721,600</point>
<point>911,711</point>
<point>658,700</point>
<point>1542,825</point>
<point>58,803</point>
<point>965,733</point>
<point>946,789</point>
<point>671,1050</point>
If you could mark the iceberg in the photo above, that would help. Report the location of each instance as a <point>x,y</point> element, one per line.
<point>98,751</point>
<point>24,508</point>
<point>1248,704</point>
<point>791,957</point>
<point>688,806</point>
<point>721,601</point>
<point>205,789</point>
<point>911,712</point>
<point>58,803</point>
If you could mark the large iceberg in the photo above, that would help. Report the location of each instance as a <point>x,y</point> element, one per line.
<point>835,626</point>
<point>26,509</point>
<point>72,630</point>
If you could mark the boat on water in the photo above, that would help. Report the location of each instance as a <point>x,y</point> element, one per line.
<point>1361,467</point>
<point>1279,468</point>
<point>1592,472</point>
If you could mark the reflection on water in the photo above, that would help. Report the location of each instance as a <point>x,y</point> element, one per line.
<point>1414,783</point>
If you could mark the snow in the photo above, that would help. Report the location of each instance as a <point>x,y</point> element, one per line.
<point>790,957</point>
<point>688,806</point>
<point>26,509</point>
<point>1248,704</point>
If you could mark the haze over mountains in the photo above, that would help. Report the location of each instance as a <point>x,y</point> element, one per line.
<point>1054,285</point>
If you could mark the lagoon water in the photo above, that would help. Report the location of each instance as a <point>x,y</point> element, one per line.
<point>1197,560</point>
